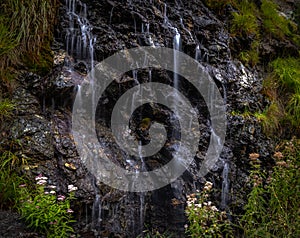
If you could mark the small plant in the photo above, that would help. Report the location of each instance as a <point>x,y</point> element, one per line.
<point>205,220</point>
<point>217,5</point>
<point>244,21</point>
<point>45,212</point>
<point>288,72</point>
<point>270,118</point>
<point>246,114</point>
<point>155,234</point>
<point>251,56</point>
<point>244,24</point>
<point>6,108</point>
<point>10,173</point>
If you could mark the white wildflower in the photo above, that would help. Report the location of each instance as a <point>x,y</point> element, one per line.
<point>41,182</point>
<point>72,188</point>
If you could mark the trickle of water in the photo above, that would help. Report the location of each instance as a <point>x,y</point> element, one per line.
<point>176,46</point>
<point>205,57</point>
<point>198,53</point>
<point>147,28</point>
<point>142,194</point>
<point>111,14</point>
<point>150,75</point>
<point>187,30</point>
<point>96,212</point>
<point>135,76</point>
<point>165,14</point>
<point>142,27</point>
<point>225,185</point>
<point>142,211</point>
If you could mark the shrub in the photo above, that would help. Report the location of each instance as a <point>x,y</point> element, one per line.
<point>273,204</point>
<point>45,212</point>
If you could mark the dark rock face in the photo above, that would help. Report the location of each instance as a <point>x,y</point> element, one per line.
<point>43,119</point>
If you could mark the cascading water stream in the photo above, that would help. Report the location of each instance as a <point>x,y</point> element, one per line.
<point>79,37</point>
<point>226,162</point>
<point>80,45</point>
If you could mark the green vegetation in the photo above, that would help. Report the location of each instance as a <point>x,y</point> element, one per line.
<point>282,87</point>
<point>44,211</point>
<point>10,173</point>
<point>244,21</point>
<point>205,220</point>
<point>274,23</point>
<point>155,234</point>
<point>217,5</point>
<point>287,73</point>
<point>40,209</point>
<point>247,20</point>
<point>251,56</point>
<point>270,118</point>
<point>253,22</point>
<point>25,36</point>
<point>273,204</point>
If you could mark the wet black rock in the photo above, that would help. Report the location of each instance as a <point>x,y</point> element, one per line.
<point>43,121</point>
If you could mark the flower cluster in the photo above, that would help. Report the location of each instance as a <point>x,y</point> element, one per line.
<point>207,186</point>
